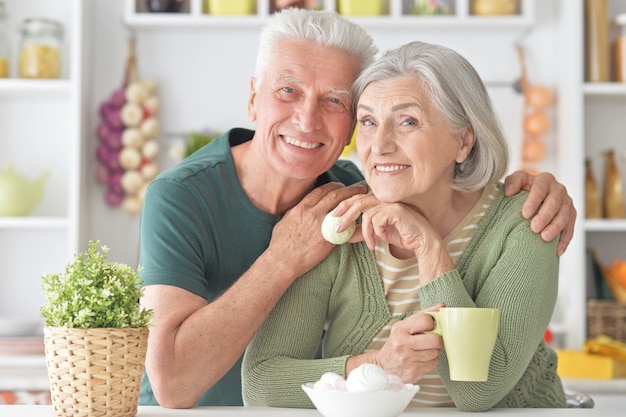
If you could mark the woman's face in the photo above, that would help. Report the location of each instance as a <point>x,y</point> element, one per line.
<point>406,147</point>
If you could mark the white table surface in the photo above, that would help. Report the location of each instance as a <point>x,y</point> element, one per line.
<point>606,406</point>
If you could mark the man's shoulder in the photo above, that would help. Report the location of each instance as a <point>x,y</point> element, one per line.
<point>213,154</point>
<point>345,172</point>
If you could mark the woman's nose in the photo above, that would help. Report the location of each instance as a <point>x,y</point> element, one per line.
<point>384,141</point>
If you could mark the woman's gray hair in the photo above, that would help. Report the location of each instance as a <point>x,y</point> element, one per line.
<point>457,91</point>
<point>325,28</point>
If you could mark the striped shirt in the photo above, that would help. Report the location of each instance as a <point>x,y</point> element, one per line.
<point>401,282</point>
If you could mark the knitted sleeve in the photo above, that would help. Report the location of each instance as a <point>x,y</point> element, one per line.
<point>507,266</point>
<point>343,296</point>
<point>281,357</point>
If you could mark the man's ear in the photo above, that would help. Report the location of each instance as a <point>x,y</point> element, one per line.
<point>251,100</point>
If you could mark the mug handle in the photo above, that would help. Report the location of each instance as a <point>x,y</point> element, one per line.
<point>435,315</point>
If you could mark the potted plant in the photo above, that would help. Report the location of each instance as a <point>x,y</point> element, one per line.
<point>95,336</point>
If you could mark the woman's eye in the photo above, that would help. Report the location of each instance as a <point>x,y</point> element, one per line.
<point>366,122</point>
<point>409,122</point>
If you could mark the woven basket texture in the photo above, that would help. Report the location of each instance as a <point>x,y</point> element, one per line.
<point>95,372</point>
<point>606,318</point>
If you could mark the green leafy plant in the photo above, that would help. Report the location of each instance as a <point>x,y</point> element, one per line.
<point>94,293</point>
<point>196,140</point>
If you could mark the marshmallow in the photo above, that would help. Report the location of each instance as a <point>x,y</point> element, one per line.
<point>335,381</point>
<point>367,377</point>
<point>329,230</point>
<point>395,383</point>
<point>323,386</point>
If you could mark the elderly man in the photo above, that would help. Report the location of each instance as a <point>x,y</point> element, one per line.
<point>227,231</point>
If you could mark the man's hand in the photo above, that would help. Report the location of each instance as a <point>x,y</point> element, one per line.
<point>297,242</point>
<point>556,208</point>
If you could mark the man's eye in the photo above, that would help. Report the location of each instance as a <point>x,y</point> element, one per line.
<point>288,89</point>
<point>335,105</point>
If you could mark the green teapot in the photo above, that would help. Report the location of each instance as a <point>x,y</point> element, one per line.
<point>18,195</point>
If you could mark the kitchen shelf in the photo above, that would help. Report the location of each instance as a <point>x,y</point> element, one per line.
<point>605,225</point>
<point>23,361</point>
<point>42,131</point>
<point>592,120</point>
<point>23,372</point>
<point>604,89</point>
<point>19,87</point>
<point>34,223</point>
<point>460,18</point>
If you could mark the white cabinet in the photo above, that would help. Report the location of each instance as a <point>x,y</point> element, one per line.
<point>41,130</point>
<point>591,120</point>
<point>396,13</point>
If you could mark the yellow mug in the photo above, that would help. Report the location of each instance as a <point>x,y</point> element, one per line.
<point>469,336</point>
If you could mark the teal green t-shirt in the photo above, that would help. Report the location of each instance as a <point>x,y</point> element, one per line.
<point>200,232</point>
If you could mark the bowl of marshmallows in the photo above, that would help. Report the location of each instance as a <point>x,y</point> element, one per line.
<point>367,392</point>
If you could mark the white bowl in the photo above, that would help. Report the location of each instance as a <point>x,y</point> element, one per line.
<point>362,404</point>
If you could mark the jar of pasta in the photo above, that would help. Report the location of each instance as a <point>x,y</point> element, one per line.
<point>40,48</point>
<point>4,42</point>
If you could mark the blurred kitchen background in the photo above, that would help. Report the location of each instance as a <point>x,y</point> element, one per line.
<point>97,97</point>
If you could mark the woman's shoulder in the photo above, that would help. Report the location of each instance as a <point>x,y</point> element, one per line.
<point>507,205</point>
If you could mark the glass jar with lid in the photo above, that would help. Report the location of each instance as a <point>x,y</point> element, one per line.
<point>494,7</point>
<point>4,42</point>
<point>40,48</point>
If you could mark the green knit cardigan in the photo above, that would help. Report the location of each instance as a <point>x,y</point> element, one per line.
<point>342,302</point>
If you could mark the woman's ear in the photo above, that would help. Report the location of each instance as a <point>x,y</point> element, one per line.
<point>251,100</point>
<point>467,144</point>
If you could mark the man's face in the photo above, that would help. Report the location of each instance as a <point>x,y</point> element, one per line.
<point>302,108</point>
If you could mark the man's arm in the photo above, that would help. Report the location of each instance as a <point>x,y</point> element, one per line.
<point>556,214</point>
<point>194,343</point>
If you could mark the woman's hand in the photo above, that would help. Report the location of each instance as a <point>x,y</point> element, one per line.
<point>408,353</point>
<point>395,223</point>
<point>408,233</point>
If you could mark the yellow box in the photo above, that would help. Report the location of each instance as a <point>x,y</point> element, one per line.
<point>360,7</point>
<point>231,7</point>
<point>579,365</point>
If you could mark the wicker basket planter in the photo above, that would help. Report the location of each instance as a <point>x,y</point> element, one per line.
<point>606,318</point>
<point>96,371</point>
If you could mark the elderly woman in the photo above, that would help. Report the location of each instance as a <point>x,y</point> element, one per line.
<point>437,230</point>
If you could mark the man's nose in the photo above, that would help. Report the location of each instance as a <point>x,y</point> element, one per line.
<point>308,115</point>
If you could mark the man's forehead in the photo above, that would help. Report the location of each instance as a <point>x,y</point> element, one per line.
<point>293,79</point>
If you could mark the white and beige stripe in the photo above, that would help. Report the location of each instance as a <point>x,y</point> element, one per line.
<point>401,282</point>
